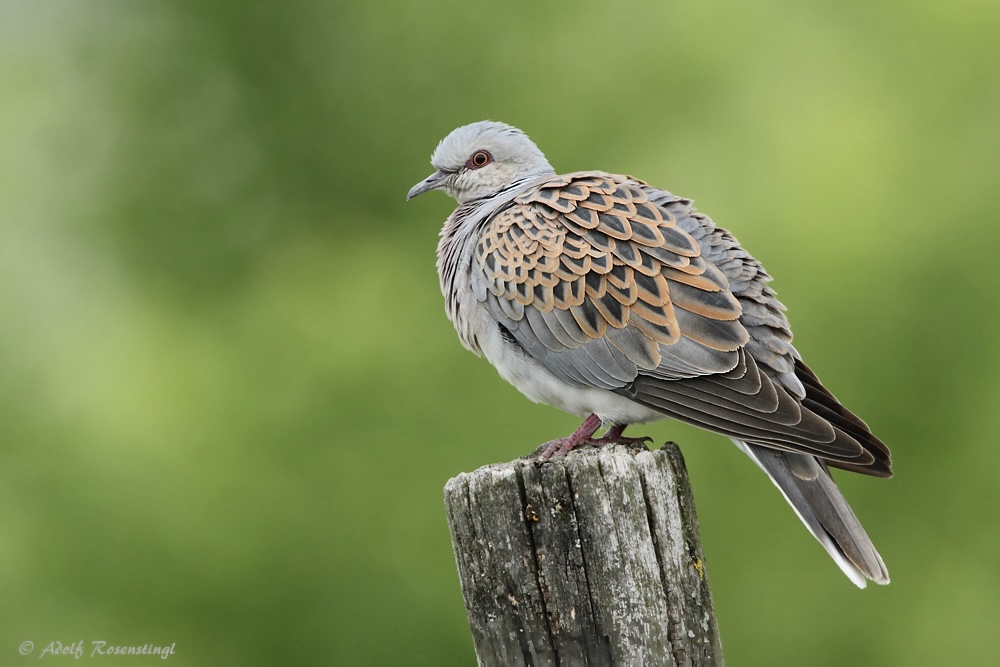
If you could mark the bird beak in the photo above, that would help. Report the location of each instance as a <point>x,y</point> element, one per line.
<point>432,182</point>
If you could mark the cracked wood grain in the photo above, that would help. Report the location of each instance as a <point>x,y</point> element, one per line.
<point>590,559</point>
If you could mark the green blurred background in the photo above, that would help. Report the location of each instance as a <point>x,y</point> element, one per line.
<point>230,395</point>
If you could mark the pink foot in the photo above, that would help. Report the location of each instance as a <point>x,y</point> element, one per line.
<point>585,436</point>
<point>561,446</point>
<point>556,448</point>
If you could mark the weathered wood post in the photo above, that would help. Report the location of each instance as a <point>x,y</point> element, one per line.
<point>589,559</point>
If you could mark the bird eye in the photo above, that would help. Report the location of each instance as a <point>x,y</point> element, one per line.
<point>479,159</point>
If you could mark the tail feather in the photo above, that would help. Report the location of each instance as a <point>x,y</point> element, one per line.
<point>809,489</point>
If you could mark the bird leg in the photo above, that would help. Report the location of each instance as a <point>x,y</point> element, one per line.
<point>585,436</point>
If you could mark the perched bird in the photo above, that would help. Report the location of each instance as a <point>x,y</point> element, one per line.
<point>616,301</point>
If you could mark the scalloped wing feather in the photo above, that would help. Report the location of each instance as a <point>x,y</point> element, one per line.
<point>586,257</point>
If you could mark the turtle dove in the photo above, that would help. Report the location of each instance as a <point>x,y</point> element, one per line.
<point>616,301</point>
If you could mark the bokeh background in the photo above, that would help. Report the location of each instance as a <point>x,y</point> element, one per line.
<point>230,398</point>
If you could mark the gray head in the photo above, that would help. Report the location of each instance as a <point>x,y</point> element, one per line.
<point>481,159</point>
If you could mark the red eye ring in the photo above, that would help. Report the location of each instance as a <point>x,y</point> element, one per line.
<point>479,159</point>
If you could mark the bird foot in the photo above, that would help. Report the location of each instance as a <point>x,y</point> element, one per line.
<point>554,448</point>
<point>560,446</point>
<point>585,436</point>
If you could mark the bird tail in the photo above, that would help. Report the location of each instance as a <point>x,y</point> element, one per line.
<point>809,489</point>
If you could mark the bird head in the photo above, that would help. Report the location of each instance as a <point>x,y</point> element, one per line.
<point>480,159</point>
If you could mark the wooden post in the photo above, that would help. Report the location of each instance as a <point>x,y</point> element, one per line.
<point>589,559</point>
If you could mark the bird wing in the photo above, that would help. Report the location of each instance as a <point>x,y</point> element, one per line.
<point>597,281</point>
<point>609,283</point>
